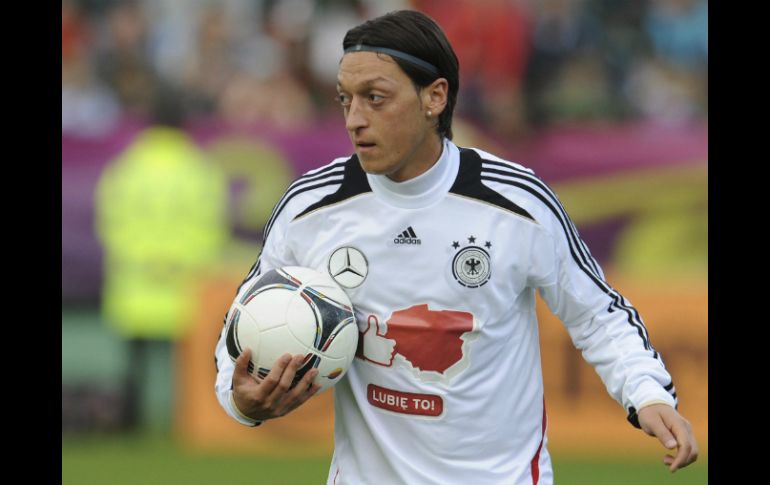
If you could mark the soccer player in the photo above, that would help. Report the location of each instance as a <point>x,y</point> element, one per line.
<point>441,250</point>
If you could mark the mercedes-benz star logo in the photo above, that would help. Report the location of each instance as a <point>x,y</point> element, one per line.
<point>348,266</point>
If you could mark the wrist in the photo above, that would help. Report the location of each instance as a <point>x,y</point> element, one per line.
<point>650,403</point>
<point>241,414</point>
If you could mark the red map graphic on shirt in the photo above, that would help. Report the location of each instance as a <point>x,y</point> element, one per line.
<point>429,340</point>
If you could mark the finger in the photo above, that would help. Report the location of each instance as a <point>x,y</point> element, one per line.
<point>272,379</point>
<point>304,384</point>
<point>242,364</point>
<point>685,445</point>
<point>299,394</point>
<point>286,378</point>
<point>694,449</point>
<point>668,460</point>
<point>694,453</point>
<point>682,458</point>
<point>309,392</point>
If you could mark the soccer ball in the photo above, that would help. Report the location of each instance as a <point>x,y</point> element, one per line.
<point>296,310</point>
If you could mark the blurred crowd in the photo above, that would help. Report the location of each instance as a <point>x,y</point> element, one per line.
<point>525,64</point>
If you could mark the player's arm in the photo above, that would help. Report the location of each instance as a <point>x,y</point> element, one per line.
<point>249,400</point>
<point>245,398</point>
<point>609,332</point>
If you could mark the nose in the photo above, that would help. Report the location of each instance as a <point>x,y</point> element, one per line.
<point>355,118</point>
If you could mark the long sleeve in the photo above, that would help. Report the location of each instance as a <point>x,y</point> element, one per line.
<point>274,255</point>
<point>602,324</point>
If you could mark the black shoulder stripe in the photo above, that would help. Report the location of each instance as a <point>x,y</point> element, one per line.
<point>323,174</point>
<point>306,179</point>
<point>602,285</point>
<point>324,170</point>
<point>530,178</point>
<point>547,203</point>
<point>531,183</point>
<point>255,270</point>
<point>509,166</point>
<point>513,171</point>
<point>252,271</point>
<point>468,184</point>
<point>354,183</point>
<point>288,197</point>
<point>560,216</point>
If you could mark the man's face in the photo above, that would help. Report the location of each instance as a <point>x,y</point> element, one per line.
<point>386,117</point>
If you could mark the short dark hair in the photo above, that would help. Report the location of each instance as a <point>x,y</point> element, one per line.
<point>419,35</point>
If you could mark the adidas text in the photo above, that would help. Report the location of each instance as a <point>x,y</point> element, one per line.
<point>404,240</point>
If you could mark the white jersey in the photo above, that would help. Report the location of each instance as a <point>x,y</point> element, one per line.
<point>442,271</point>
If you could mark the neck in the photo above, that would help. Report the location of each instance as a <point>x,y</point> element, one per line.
<point>420,160</point>
<point>423,190</point>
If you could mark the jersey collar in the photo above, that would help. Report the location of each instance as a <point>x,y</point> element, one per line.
<point>423,190</point>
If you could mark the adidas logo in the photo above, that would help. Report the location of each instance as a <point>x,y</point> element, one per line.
<point>407,237</point>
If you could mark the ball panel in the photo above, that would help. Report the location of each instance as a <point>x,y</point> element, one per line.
<point>320,282</point>
<point>329,315</point>
<point>345,337</point>
<point>268,307</point>
<point>303,321</point>
<point>272,278</point>
<point>303,275</point>
<point>331,371</point>
<point>274,343</point>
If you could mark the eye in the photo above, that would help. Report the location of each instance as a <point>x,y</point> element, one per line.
<point>376,98</point>
<point>343,99</point>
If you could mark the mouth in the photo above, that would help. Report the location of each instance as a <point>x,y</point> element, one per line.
<point>365,148</point>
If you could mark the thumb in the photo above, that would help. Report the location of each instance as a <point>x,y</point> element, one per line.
<point>668,440</point>
<point>653,421</point>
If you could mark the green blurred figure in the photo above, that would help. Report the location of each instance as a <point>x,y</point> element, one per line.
<point>161,216</point>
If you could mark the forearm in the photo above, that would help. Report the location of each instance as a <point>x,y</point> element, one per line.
<point>224,383</point>
<point>632,371</point>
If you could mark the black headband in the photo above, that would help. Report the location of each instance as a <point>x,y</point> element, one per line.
<point>394,53</point>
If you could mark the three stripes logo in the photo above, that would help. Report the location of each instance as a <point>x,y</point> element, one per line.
<point>407,237</point>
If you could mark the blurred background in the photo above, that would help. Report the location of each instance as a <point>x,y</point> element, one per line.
<point>183,121</point>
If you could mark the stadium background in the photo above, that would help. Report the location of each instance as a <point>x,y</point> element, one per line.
<point>606,100</point>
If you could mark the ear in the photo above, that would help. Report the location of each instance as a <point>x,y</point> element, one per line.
<point>434,96</point>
